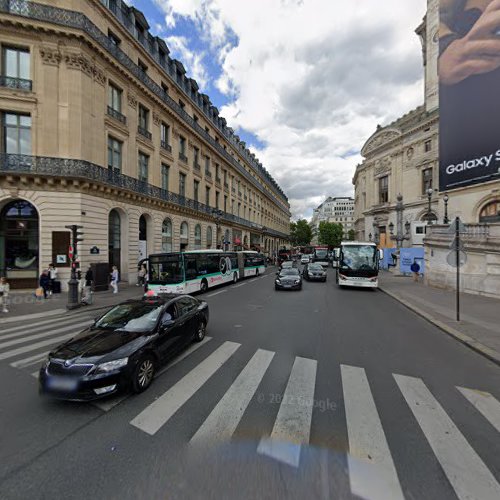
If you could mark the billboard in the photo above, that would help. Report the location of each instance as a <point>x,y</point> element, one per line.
<point>469,92</point>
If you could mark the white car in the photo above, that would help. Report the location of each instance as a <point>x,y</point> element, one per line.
<point>304,259</point>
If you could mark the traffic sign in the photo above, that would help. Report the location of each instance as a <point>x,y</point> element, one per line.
<point>457,245</point>
<point>453,227</point>
<point>452,258</point>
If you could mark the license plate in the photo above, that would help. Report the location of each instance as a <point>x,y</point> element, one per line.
<point>62,384</point>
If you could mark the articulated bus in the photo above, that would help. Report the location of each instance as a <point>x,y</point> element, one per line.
<point>358,264</point>
<point>199,270</point>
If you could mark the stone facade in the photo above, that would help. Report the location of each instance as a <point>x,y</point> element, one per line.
<point>115,124</point>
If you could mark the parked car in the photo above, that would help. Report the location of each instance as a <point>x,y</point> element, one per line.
<point>124,348</point>
<point>288,279</point>
<point>304,259</point>
<point>314,272</point>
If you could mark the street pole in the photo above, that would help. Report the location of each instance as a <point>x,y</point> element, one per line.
<point>457,250</point>
<point>73,301</point>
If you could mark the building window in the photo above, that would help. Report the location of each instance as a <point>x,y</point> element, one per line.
<point>383,189</point>
<point>114,39</point>
<point>165,172</point>
<point>164,87</point>
<point>143,167</point>
<point>182,148</point>
<point>207,196</point>
<point>143,118</point>
<point>207,164</point>
<point>114,154</point>
<point>225,203</point>
<point>16,134</point>
<point>197,237</point>
<point>217,196</point>
<point>196,157</point>
<point>165,136</point>
<point>427,146</point>
<point>491,212</point>
<point>184,230</point>
<point>15,66</point>
<point>181,104</point>
<point>426,180</point>
<point>166,236</point>
<point>196,189</point>
<point>195,118</point>
<point>209,237</point>
<point>182,184</point>
<point>115,98</point>
<point>142,66</point>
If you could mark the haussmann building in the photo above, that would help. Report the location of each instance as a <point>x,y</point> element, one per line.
<point>100,127</point>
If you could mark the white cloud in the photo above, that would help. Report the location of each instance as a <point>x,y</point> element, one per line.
<point>311,79</point>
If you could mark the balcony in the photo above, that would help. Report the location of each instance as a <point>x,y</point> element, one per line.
<point>15,83</point>
<point>183,157</point>
<point>166,146</point>
<point>144,132</point>
<point>217,180</point>
<point>117,115</point>
<point>239,194</point>
<point>208,173</point>
<point>233,190</point>
<point>197,167</point>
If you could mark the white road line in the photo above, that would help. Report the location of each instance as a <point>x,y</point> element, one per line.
<point>216,293</point>
<point>34,347</point>
<point>23,363</point>
<point>15,319</point>
<point>372,474</point>
<point>224,418</point>
<point>35,374</point>
<point>9,343</point>
<point>466,472</point>
<point>252,280</point>
<point>38,328</point>
<point>293,422</point>
<point>241,284</point>
<point>27,328</point>
<point>109,403</point>
<point>160,411</point>
<point>484,403</point>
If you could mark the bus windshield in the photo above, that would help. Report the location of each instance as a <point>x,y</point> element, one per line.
<point>166,269</point>
<point>359,258</point>
<point>321,253</point>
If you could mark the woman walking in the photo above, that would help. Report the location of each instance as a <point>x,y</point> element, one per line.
<point>4,294</point>
<point>45,282</point>
<point>114,279</point>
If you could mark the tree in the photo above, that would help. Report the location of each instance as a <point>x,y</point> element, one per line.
<point>300,233</point>
<point>330,233</point>
<point>351,235</point>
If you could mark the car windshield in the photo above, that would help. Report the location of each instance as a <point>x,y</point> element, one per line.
<point>359,257</point>
<point>133,317</point>
<point>166,270</point>
<point>321,254</point>
<point>287,264</point>
<point>315,267</point>
<point>289,272</point>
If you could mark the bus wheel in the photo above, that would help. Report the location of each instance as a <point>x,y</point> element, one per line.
<point>203,286</point>
<point>256,272</point>
<point>235,277</point>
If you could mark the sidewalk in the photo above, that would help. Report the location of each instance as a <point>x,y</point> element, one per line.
<point>24,305</point>
<point>479,326</point>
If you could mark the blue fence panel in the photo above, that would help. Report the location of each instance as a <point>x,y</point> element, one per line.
<point>384,263</point>
<point>410,255</point>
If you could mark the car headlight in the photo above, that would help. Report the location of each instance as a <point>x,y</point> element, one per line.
<point>297,282</point>
<point>111,365</point>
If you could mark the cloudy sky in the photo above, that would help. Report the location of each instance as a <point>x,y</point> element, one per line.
<point>303,82</point>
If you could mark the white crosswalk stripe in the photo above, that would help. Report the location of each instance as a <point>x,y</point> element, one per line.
<point>466,472</point>
<point>222,422</point>
<point>160,411</point>
<point>372,473</point>
<point>485,403</point>
<point>293,422</point>
<point>37,326</point>
<point>23,363</point>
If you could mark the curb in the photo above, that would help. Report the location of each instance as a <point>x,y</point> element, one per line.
<point>473,344</point>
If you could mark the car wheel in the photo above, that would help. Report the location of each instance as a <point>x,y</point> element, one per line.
<point>203,286</point>
<point>144,373</point>
<point>201,330</point>
<point>235,277</point>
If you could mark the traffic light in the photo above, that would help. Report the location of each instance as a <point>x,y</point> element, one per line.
<point>76,237</point>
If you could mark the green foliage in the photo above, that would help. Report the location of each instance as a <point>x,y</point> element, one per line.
<point>330,234</point>
<point>351,235</point>
<point>300,232</point>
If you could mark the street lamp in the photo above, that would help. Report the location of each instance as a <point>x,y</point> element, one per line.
<point>370,237</point>
<point>399,237</point>
<point>445,199</point>
<point>429,209</point>
<point>217,215</point>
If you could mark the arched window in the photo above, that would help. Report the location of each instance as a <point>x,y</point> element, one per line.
<point>184,230</point>
<point>490,212</point>
<point>209,237</point>
<point>166,235</point>
<point>197,237</point>
<point>114,238</point>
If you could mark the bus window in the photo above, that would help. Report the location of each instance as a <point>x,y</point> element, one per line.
<point>191,267</point>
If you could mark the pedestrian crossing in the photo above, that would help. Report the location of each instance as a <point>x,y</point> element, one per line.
<point>372,470</point>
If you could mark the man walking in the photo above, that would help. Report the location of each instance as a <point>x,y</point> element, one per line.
<point>52,277</point>
<point>4,294</point>
<point>87,289</point>
<point>114,279</point>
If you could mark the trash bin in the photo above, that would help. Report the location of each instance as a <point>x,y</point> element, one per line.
<point>100,270</point>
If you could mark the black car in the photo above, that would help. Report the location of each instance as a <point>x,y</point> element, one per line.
<point>288,279</point>
<point>123,349</point>
<point>314,272</point>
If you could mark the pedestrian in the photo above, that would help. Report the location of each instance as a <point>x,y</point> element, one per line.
<point>52,277</point>
<point>87,289</point>
<point>141,275</point>
<point>415,269</point>
<point>45,282</point>
<point>115,277</point>
<point>4,294</point>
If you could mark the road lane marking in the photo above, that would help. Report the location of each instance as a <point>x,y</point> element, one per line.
<point>33,347</point>
<point>372,474</point>
<point>158,413</point>
<point>36,328</point>
<point>293,422</point>
<point>252,280</point>
<point>23,363</point>
<point>485,403</point>
<point>216,293</point>
<point>241,284</point>
<point>108,404</point>
<point>468,475</point>
<point>224,418</point>
<point>15,319</point>
<point>9,343</point>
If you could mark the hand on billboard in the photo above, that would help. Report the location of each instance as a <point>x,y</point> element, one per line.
<point>477,52</point>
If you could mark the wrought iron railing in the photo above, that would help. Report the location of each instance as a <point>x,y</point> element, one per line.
<point>183,157</point>
<point>82,169</point>
<point>78,20</point>
<point>197,167</point>
<point>117,115</point>
<point>15,83</point>
<point>144,132</point>
<point>165,145</point>
<point>217,180</point>
<point>208,173</point>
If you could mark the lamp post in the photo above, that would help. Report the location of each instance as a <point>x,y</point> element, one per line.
<point>370,237</point>
<point>217,215</point>
<point>429,209</point>
<point>399,237</point>
<point>445,199</point>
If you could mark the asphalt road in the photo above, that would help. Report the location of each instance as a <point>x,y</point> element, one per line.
<point>322,393</point>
